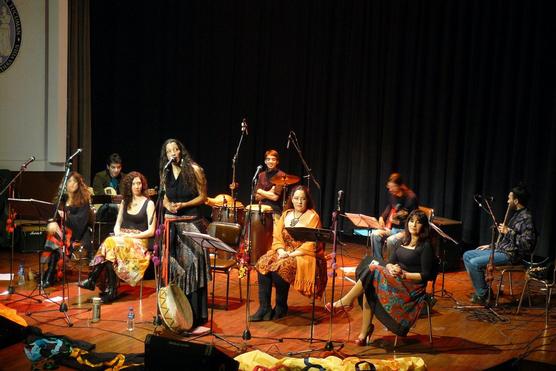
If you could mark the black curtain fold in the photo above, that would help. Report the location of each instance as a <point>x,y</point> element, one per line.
<point>457,96</point>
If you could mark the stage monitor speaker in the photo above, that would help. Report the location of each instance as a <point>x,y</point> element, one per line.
<point>163,353</point>
<point>32,238</point>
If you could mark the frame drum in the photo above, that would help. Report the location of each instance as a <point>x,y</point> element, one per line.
<point>175,309</point>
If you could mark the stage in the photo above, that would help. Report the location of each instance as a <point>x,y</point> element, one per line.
<point>461,339</point>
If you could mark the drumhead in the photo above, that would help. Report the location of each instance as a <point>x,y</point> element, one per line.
<point>255,207</point>
<point>175,309</point>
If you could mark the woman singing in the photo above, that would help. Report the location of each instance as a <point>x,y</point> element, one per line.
<point>291,262</point>
<point>77,219</point>
<point>185,185</point>
<point>125,255</point>
<point>396,292</point>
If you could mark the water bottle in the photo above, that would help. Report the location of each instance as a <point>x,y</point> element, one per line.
<point>21,274</point>
<point>130,319</point>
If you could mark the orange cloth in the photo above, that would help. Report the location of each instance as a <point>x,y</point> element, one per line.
<point>12,315</point>
<point>306,264</point>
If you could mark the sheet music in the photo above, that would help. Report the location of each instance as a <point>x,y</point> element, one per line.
<point>364,221</point>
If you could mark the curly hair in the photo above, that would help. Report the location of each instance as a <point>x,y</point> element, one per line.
<point>310,204</point>
<point>422,219</point>
<point>127,182</point>
<point>186,163</point>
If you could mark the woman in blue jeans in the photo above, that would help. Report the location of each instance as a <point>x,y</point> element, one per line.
<point>517,242</point>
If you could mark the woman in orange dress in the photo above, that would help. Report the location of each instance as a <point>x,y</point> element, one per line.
<point>291,262</point>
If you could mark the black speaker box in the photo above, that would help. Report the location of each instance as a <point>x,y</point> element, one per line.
<point>163,353</point>
<point>32,238</point>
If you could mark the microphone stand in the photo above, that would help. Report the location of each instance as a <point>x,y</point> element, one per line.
<point>309,175</point>
<point>11,288</point>
<point>335,214</point>
<point>63,305</point>
<point>488,210</point>
<point>158,237</point>
<point>234,185</point>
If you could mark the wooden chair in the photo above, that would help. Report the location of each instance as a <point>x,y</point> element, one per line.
<point>229,233</point>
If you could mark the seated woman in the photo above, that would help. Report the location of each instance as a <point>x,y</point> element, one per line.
<point>125,255</point>
<point>290,261</point>
<point>78,218</point>
<point>396,292</point>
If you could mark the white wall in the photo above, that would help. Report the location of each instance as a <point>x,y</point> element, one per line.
<point>33,90</point>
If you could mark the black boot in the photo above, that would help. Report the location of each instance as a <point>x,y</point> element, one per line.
<point>112,278</point>
<point>264,313</point>
<point>49,276</point>
<point>282,290</point>
<point>91,280</point>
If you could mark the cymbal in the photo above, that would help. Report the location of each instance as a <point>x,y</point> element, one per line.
<point>284,179</point>
<point>223,200</point>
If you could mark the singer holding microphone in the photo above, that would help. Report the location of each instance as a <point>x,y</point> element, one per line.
<point>267,193</point>
<point>185,187</point>
<point>291,262</point>
<point>402,201</point>
<point>517,242</point>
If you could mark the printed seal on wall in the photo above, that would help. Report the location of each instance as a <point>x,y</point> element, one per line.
<point>10,34</point>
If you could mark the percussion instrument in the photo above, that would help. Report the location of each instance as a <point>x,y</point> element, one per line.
<point>262,219</point>
<point>284,180</point>
<point>227,214</point>
<point>175,309</point>
<point>223,200</point>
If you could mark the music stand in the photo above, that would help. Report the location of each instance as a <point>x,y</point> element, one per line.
<point>316,235</point>
<point>366,222</point>
<point>442,234</point>
<point>208,242</point>
<point>33,210</point>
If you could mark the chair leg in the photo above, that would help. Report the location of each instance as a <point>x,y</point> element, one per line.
<point>511,288</point>
<point>499,288</point>
<point>430,322</point>
<point>523,293</point>
<point>240,290</point>
<point>141,290</point>
<point>549,294</point>
<point>227,287</point>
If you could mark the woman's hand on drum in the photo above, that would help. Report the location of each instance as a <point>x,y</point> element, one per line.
<point>282,253</point>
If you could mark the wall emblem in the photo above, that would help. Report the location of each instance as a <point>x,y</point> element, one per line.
<point>10,33</point>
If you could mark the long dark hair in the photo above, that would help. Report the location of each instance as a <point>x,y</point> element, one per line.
<point>310,204</point>
<point>186,163</point>
<point>82,196</point>
<point>422,218</point>
<point>127,182</point>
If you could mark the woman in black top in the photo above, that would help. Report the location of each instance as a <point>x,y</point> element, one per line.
<point>78,218</point>
<point>185,186</point>
<point>125,255</point>
<point>395,293</point>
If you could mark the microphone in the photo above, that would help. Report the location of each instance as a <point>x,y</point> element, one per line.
<point>79,150</point>
<point>289,140</point>
<point>477,199</point>
<point>340,199</point>
<point>31,159</point>
<point>259,168</point>
<point>244,127</point>
<point>169,162</point>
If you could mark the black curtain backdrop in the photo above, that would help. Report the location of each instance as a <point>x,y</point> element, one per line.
<point>458,96</point>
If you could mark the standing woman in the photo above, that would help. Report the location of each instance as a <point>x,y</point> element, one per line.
<point>125,255</point>
<point>291,262</point>
<point>186,190</point>
<point>78,218</point>
<point>396,292</point>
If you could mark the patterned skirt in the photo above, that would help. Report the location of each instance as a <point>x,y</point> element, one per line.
<point>130,256</point>
<point>395,302</point>
<point>270,262</point>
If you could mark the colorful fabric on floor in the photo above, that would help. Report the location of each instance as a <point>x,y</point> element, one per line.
<point>12,315</point>
<point>262,361</point>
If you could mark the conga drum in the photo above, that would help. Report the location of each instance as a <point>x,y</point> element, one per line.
<point>262,220</point>
<point>228,214</point>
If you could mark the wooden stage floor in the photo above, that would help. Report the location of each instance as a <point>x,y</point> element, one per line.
<point>462,340</point>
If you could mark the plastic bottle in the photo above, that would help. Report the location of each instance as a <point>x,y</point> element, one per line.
<point>21,274</point>
<point>130,319</point>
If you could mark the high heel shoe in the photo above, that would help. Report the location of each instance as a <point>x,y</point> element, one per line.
<point>342,308</point>
<point>367,338</point>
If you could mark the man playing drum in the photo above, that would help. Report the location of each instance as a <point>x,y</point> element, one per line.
<point>267,193</point>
